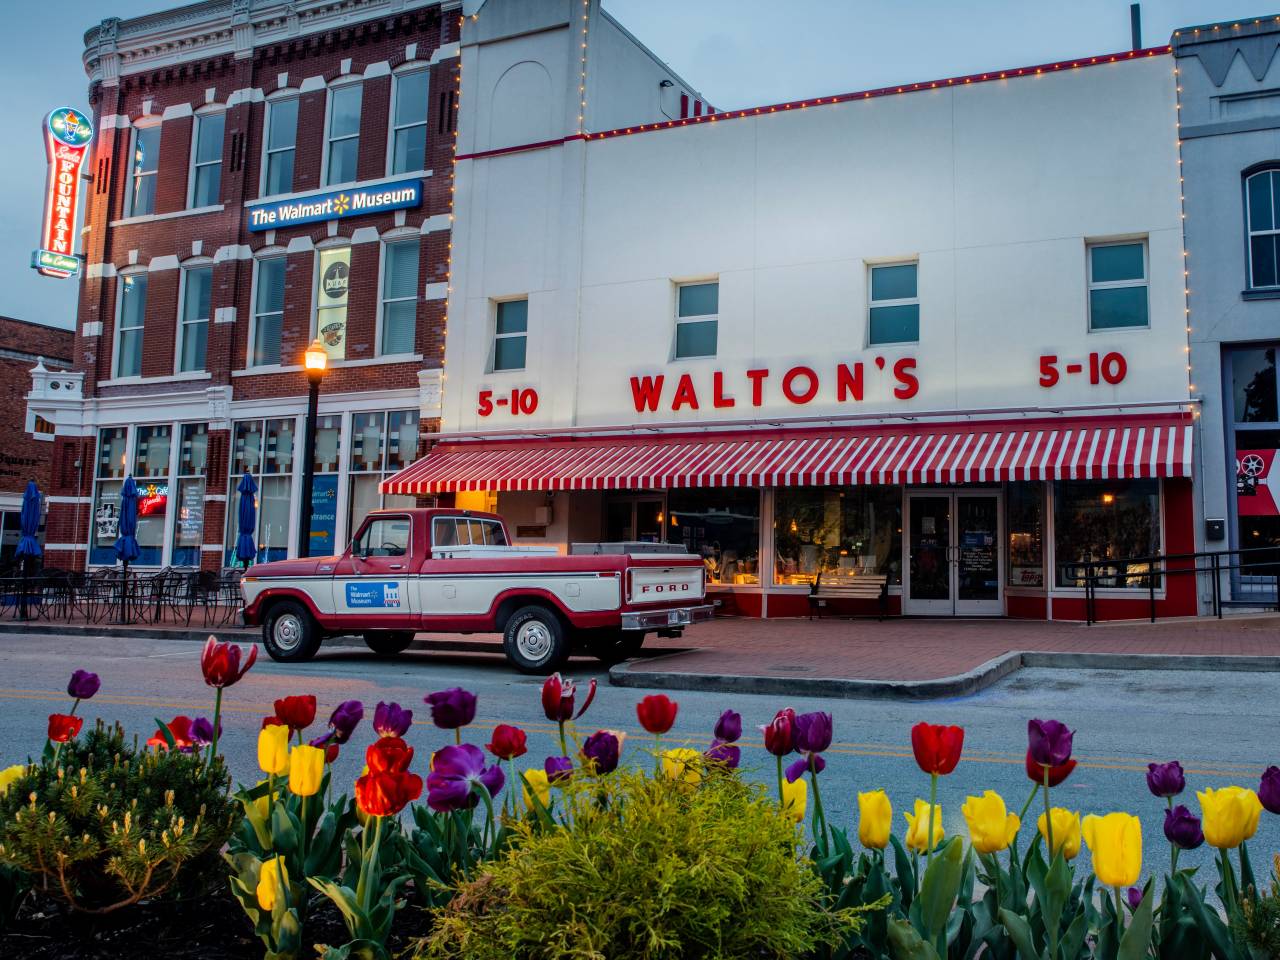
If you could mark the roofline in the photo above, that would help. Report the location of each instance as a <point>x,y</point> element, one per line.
<point>1190,34</point>
<point>652,56</point>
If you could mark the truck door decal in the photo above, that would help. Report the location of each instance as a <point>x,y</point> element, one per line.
<point>379,594</point>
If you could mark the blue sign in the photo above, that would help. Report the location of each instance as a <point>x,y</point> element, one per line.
<point>335,204</point>
<point>324,514</point>
<point>382,594</point>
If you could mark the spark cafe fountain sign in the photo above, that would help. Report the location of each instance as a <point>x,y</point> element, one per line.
<point>67,133</point>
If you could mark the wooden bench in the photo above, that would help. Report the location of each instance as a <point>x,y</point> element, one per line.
<point>862,587</point>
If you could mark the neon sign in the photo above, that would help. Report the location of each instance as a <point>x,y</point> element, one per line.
<point>67,133</point>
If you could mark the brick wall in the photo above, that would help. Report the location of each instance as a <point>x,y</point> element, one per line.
<point>22,457</point>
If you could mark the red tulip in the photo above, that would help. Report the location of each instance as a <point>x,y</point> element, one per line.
<point>508,742</point>
<point>780,734</point>
<point>220,663</point>
<point>388,755</point>
<point>558,695</point>
<point>937,748</point>
<point>657,713</point>
<point>386,794</point>
<point>180,729</point>
<point>297,713</point>
<point>272,721</point>
<point>330,753</point>
<point>1056,774</point>
<point>63,726</point>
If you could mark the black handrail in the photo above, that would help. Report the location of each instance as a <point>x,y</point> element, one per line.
<point>1158,566</point>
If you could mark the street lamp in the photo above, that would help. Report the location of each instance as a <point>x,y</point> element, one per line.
<point>314,360</point>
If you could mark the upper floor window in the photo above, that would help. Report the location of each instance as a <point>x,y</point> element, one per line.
<point>193,325</point>
<point>1117,285</point>
<point>399,301</point>
<point>129,324</point>
<point>697,319</point>
<point>1264,228</point>
<point>142,170</point>
<point>281,140</point>
<point>268,312</point>
<point>409,123</point>
<point>206,159</point>
<point>511,331</point>
<point>344,133</point>
<point>894,306</point>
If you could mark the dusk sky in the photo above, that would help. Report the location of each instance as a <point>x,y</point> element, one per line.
<point>736,52</point>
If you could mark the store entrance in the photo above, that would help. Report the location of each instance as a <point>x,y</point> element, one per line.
<point>954,553</point>
<point>634,518</point>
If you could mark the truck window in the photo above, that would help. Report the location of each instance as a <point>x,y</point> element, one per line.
<point>385,537</point>
<point>444,532</point>
<point>493,533</point>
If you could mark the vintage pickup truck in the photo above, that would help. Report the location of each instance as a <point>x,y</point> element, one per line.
<point>455,571</point>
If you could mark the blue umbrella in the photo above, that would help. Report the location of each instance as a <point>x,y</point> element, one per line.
<point>28,545</point>
<point>127,543</point>
<point>246,549</point>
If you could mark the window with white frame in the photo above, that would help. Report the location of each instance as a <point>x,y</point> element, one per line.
<point>193,322</point>
<point>1263,213</point>
<point>343,146</point>
<point>108,479</point>
<point>130,318</point>
<point>206,159</point>
<point>145,161</point>
<point>409,123</point>
<point>382,443</point>
<point>268,312</point>
<point>893,309</point>
<point>264,450</point>
<point>281,141</point>
<point>399,302</point>
<point>697,319</point>
<point>188,520</point>
<point>1117,285</point>
<point>510,336</point>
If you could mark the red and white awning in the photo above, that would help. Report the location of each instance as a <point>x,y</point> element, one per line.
<point>1100,448</point>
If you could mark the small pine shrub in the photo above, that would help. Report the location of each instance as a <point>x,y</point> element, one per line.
<point>1259,924</point>
<point>109,825</point>
<point>644,868</point>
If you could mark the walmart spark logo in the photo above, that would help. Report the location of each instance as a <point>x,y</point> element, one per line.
<point>341,204</point>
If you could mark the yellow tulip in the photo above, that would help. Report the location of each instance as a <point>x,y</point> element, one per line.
<point>306,770</point>
<point>795,798</point>
<point>10,775</point>
<point>1066,833</point>
<point>875,819</point>
<point>541,786</point>
<point>991,826</point>
<point>1115,843</point>
<point>918,827</point>
<point>273,878</point>
<point>1230,816</point>
<point>273,749</point>
<point>683,764</point>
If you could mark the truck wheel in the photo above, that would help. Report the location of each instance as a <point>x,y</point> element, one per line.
<point>534,640</point>
<point>387,643</point>
<point>289,633</point>
<point>613,646</point>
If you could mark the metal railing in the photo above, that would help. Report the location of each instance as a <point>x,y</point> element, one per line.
<point>1153,570</point>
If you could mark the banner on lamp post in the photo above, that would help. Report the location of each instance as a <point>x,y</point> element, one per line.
<point>67,135</point>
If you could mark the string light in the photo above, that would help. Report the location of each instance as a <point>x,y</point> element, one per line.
<point>582,75</point>
<point>1182,211</point>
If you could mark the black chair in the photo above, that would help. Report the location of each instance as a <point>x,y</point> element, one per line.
<point>203,590</point>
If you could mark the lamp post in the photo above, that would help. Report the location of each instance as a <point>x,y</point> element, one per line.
<point>315,360</point>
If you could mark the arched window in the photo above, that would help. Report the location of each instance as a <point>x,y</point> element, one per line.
<point>1262,219</point>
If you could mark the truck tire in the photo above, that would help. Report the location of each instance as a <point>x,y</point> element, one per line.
<point>387,643</point>
<point>611,646</point>
<point>535,640</point>
<point>289,633</point>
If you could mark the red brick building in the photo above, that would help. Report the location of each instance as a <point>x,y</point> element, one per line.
<point>262,172</point>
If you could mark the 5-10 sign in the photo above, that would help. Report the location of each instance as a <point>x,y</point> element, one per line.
<point>518,401</point>
<point>1103,368</point>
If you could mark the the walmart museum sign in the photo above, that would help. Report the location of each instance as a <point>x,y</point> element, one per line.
<point>335,204</point>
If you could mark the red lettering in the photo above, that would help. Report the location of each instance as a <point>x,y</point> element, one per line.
<point>757,378</point>
<point>718,399</point>
<point>1114,368</point>
<point>646,392</point>
<point>1048,370</point>
<point>848,382</point>
<point>685,396</point>
<point>904,373</point>
<point>789,385</point>
<point>484,406</point>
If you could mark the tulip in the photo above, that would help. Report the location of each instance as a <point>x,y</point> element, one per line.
<point>1182,828</point>
<point>220,663</point>
<point>306,769</point>
<point>729,727</point>
<point>1035,772</point>
<point>558,769</point>
<point>875,819</point>
<point>508,742</point>
<point>1049,742</point>
<point>273,880</point>
<point>779,733</point>
<point>991,827</point>
<point>1269,790</point>
<point>391,720</point>
<point>725,754</point>
<point>557,702</point>
<point>657,713</point>
<point>345,718</point>
<point>536,780</point>
<point>1166,779</point>
<point>273,749</point>
<point>813,732</point>
<point>452,709</point>
<point>11,775</point>
<point>1134,897</point>
<point>1230,816</point>
<point>386,794</point>
<point>64,726</point>
<point>179,729</point>
<point>455,770</point>
<point>918,825</point>
<point>937,748</point>
<point>388,755</point>
<point>83,685</point>
<point>1115,845</point>
<point>601,751</point>
<point>795,797</point>
<point>1066,833</point>
<point>683,765</point>
<point>809,763</point>
<point>296,713</point>
<point>202,732</point>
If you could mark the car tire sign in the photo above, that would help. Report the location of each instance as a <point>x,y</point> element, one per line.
<point>67,135</point>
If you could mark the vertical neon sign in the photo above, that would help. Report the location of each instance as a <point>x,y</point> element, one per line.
<point>67,133</point>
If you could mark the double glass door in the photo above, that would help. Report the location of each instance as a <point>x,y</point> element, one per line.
<point>634,518</point>
<point>953,553</point>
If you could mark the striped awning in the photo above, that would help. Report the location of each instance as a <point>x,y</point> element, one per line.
<point>1100,448</point>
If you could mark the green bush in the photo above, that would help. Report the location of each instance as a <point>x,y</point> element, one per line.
<point>644,868</point>
<point>109,825</point>
<point>1259,924</point>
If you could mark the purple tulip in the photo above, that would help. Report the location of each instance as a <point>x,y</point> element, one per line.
<point>724,753</point>
<point>558,768</point>
<point>1269,789</point>
<point>1182,828</point>
<point>729,727</point>
<point>452,708</point>
<point>1134,896</point>
<point>391,720</point>
<point>1166,779</point>
<point>83,685</point>
<point>813,732</point>
<point>809,762</point>
<point>345,718</point>
<point>202,731</point>
<point>602,749</point>
<point>1049,742</point>
<point>454,771</point>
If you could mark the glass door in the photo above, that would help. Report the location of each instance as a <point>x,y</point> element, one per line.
<point>977,554</point>
<point>634,518</point>
<point>953,554</point>
<point>929,588</point>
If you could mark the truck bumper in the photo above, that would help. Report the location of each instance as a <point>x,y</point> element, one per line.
<point>662,619</point>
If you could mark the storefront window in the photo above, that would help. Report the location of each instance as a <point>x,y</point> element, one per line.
<point>188,525</point>
<point>837,532</point>
<point>722,526</point>
<point>1024,506</point>
<point>381,444</point>
<point>151,446</point>
<point>1106,520</point>
<point>108,478</point>
<point>264,448</point>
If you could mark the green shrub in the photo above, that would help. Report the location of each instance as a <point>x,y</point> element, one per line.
<point>110,825</point>
<point>644,868</point>
<point>1259,922</point>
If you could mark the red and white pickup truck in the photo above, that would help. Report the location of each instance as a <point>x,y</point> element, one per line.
<point>455,571</point>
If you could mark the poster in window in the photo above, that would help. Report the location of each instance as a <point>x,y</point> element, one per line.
<point>333,282</point>
<point>324,515</point>
<point>191,515</point>
<point>1254,494</point>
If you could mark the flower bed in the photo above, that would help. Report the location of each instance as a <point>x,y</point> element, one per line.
<point>111,848</point>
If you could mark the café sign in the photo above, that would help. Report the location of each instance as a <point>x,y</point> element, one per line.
<point>67,134</point>
<point>334,204</point>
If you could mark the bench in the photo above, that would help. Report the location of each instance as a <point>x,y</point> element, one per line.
<point>862,587</point>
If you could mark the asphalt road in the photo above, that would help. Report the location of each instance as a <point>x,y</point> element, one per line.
<point>1223,726</point>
